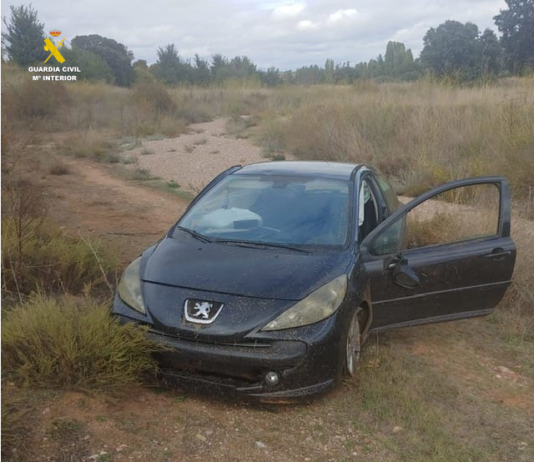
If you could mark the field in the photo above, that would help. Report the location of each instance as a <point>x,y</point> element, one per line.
<point>80,199</point>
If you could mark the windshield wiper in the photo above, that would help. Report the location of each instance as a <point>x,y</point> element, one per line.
<point>196,235</point>
<point>260,244</point>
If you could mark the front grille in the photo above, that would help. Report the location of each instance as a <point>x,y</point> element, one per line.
<point>246,344</point>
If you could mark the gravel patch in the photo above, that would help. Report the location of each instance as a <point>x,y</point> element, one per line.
<point>194,159</point>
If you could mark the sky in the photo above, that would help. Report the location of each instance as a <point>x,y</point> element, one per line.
<point>284,34</point>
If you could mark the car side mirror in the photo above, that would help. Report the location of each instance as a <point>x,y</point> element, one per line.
<point>402,274</point>
<point>393,261</point>
<point>405,276</point>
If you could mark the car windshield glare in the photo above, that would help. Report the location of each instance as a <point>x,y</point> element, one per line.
<point>267,209</point>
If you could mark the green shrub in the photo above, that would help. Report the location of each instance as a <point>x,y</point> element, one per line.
<point>73,344</point>
<point>172,184</point>
<point>40,256</point>
<point>140,174</point>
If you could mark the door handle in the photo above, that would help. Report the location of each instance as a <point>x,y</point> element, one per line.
<point>498,254</point>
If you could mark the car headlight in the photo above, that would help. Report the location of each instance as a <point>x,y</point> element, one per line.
<point>317,306</point>
<point>130,286</point>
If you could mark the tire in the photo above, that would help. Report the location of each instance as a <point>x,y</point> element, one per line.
<point>352,345</point>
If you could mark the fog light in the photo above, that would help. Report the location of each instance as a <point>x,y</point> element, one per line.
<point>272,379</point>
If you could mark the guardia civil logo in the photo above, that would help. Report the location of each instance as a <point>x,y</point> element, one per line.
<point>51,68</point>
<point>52,48</point>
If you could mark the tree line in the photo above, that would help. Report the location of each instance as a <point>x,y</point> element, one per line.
<point>452,49</point>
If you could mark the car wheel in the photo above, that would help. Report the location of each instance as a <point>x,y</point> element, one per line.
<point>352,345</point>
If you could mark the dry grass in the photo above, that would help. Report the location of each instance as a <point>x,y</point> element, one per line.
<point>37,255</point>
<point>422,134</point>
<point>516,313</point>
<point>37,103</point>
<point>3,152</point>
<point>90,144</point>
<point>42,257</point>
<point>432,231</point>
<point>72,344</point>
<point>15,412</point>
<point>464,213</point>
<point>411,404</point>
<point>146,109</point>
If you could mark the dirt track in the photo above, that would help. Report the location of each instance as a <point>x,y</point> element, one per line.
<point>96,203</point>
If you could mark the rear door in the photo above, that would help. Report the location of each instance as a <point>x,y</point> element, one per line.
<point>445,255</point>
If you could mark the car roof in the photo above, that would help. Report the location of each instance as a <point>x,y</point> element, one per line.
<point>316,169</point>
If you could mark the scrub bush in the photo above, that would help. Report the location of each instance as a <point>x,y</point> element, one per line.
<point>90,145</point>
<point>73,344</point>
<point>42,257</point>
<point>35,100</point>
<point>154,97</point>
<point>37,255</point>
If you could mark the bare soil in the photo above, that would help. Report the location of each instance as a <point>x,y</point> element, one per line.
<point>489,391</point>
<point>94,202</point>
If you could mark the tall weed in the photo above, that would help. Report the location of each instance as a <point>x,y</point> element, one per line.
<point>40,257</point>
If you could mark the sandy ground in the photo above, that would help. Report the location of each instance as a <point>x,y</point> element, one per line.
<point>193,159</point>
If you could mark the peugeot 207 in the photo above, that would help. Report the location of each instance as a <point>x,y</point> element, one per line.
<point>277,272</point>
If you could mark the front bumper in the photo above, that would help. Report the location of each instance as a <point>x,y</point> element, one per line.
<point>306,361</point>
<point>238,370</point>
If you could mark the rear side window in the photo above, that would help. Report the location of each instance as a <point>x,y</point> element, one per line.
<point>389,194</point>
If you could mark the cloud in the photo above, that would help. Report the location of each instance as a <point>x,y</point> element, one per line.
<point>341,15</point>
<point>307,25</point>
<point>286,34</point>
<point>288,11</point>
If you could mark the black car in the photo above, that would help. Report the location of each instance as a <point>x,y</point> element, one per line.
<point>277,272</point>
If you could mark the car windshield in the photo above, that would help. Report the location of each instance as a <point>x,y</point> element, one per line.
<point>267,209</point>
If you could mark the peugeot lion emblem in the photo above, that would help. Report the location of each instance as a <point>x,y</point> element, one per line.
<point>201,311</point>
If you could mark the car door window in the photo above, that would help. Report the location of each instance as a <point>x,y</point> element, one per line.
<point>457,215</point>
<point>388,193</point>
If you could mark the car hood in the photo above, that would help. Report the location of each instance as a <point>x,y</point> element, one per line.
<point>184,261</point>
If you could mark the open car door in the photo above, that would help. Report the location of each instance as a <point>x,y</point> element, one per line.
<point>445,255</point>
